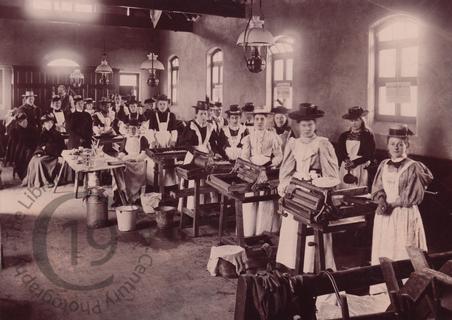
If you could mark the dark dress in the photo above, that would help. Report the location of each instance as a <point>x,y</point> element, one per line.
<point>80,127</point>
<point>21,145</point>
<point>209,139</point>
<point>134,119</point>
<point>230,141</point>
<point>43,167</point>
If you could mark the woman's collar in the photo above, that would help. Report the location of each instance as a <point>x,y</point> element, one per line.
<point>399,159</point>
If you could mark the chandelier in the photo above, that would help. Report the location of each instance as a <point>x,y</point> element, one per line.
<point>152,65</point>
<point>76,78</point>
<point>255,41</point>
<point>104,70</point>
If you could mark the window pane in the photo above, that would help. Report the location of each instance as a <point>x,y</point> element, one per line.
<point>278,70</point>
<point>217,56</point>
<point>175,62</point>
<point>384,107</point>
<point>65,6</point>
<point>403,29</point>
<point>174,96</point>
<point>409,61</point>
<point>128,80</point>
<point>410,109</point>
<point>220,78</point>
<point>174,77</point>
<point>289,69</point>
<point>387,63</point>
<point>215,74</point>
<point>42,4</point>
<point>87,8</point>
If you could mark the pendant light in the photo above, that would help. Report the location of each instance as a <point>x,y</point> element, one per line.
<point>255,41</point>
<point>76,78</point>
<point>152,65</point>
<point>104,70</point>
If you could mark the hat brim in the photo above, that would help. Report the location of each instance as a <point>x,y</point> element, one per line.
<point>297,115</point>
<point>233,113</point>
<point>408,134</point>
<point>349,116</point>
<point>29,95</point>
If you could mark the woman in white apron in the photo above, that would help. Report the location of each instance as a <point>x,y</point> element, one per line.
<point>200,135</point>
<point>232,135</point>
<point>102,119</point>
<point>355,150</point>
<point>162,133</point>
<point>261,147</point>
<point>398,188</point>
<point>307,158</point>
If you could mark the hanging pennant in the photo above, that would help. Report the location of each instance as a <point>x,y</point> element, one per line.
<point>155,16</point>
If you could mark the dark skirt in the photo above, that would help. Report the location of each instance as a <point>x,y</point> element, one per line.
<point>42,170</point>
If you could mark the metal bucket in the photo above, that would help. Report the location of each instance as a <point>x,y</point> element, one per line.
<point>127,217</point>
<point>164,216</point>
<point>96,208</point>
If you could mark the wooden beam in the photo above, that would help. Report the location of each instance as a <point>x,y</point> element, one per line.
<point>362,277</point>
<point>224,8</point>
<point>176,23</point>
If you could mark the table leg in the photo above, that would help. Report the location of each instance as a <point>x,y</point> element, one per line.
<point>161,180</point>
<point>156,176</point>
<point>239,223</point>
<point>301,245</point>
<point>222,216</point>
<point>196,208</point>
<point>59,176</point>
<point>184,204</point>
<point>319,264</point>
<point>76,184</point>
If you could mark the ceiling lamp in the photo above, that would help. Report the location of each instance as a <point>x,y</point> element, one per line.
<point>152,65</point>
<point>255,41</point>
<point>104,70</point>
<point>76,78</point>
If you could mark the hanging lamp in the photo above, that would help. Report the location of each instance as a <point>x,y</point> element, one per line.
<point>152,65</point>
<point>255,41</point>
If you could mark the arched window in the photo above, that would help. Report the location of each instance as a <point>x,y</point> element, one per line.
<point>394,68</point>
<point>215,75</point>
<point>281,72</point>
<point>173,78</point>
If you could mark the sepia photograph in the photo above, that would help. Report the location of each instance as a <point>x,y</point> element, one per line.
<point>225,159</point>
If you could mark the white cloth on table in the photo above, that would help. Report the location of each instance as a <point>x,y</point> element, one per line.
<point>300,156</point>
<point>233,254</point>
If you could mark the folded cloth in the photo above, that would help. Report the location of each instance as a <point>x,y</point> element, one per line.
<point>233,254</point>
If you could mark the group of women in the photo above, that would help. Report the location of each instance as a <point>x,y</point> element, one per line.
<point>248,133</point>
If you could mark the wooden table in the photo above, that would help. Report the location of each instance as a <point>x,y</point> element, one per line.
<point>69,160</point>
<point>219,181</point>
<point>198,174</point>
<point>164,159</point>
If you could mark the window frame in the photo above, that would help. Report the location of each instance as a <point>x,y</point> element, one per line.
<point>171,86</point>
<point>211,64</point>
<point>398,45</point>
<point>137,75</point>
<point>285,57</point>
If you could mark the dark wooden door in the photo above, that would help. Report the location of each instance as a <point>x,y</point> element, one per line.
<point>44,82</point>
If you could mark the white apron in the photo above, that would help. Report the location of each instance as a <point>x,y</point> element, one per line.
<point>360,171</point>
<point>259,217</point>
<point>287,247</point>
<point>233,151</point>
<point>163,139</point>
<point>204,147</point>
<point>393,233</point>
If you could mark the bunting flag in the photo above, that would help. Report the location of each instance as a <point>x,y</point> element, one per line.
<point>155,16</point>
